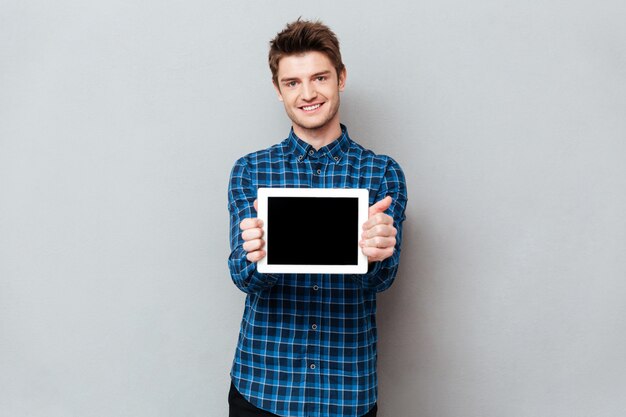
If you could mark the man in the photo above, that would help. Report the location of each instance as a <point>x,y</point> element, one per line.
<point>307,345</point>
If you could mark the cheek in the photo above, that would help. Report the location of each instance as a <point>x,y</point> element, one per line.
<point>289,96</point>
<point>330,92</point>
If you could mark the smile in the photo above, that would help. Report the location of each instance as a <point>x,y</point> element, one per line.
<point>311,107</point>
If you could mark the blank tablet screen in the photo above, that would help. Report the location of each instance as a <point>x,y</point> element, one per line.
<point>312,231</point>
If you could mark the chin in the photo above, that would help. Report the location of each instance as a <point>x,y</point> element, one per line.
<point>313,124</point>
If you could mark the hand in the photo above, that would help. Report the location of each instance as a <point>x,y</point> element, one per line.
<point>379,236</point>
<point>252,234</point>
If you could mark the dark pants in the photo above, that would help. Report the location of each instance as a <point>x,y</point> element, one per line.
<point>240,407</point>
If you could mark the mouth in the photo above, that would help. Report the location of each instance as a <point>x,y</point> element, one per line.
<point>311,108</point>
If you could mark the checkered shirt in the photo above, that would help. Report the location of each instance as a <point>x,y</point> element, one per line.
<point>307,343</point>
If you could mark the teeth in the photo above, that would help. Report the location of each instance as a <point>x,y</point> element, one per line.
<point>309,108</point>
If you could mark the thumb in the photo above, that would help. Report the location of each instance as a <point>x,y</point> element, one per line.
<point>256,205</point>
<point>380,206</point>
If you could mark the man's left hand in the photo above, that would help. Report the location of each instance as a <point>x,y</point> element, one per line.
<point>379,236</point>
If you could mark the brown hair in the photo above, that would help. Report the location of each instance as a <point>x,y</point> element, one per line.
<point>304,36</point>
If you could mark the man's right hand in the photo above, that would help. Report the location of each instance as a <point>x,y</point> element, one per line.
<point>252,234</point>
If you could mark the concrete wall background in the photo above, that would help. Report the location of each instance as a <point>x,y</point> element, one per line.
<point>119,123</point>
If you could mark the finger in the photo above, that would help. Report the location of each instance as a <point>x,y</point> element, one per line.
<point>380,206</point>
<point>385,230</point>
<point>253,245</point>
<point>255,256</point>
<point>377,254</point>
<point>378,218</point>
<point>250,234</point>
<point>379,242</point>
<point>250,223</point>
<point>256,205</point>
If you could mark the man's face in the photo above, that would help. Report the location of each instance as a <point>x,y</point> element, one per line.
<point>309,88</point>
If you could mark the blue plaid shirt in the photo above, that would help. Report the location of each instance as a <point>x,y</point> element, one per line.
<point>307,344</point>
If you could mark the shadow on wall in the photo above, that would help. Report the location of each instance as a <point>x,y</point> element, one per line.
<point>402,332</point>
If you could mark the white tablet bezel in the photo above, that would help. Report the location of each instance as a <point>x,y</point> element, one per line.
<point>361,194</point>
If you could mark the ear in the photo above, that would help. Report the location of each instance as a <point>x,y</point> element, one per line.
<point>342,79</point>
<point>277,88</point>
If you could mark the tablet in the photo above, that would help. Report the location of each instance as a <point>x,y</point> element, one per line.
<point>313,230</point>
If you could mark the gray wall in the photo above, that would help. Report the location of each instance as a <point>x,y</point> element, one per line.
<point>119,123</point>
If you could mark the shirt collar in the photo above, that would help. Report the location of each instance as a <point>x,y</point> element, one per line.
<point>335,150</point>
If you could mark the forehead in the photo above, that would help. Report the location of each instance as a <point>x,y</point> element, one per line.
<point>304,64</point>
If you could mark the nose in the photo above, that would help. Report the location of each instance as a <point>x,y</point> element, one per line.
<point>308,91</point>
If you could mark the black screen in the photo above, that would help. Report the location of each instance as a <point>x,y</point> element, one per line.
<point>312,231</point>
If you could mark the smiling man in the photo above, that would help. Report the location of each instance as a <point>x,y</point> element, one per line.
<point>309,86</point>
<point>307,344</point>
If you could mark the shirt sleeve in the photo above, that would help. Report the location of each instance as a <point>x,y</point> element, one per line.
<point>381,274</point>
<point>241,196</point>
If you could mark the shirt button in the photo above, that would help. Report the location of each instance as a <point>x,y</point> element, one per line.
<point>311,152</point>
<point>300,158</point>
<point>336,158</point>
<point>312,366</point>
<point>314,327</point>
<point>319,171</point>
<point>315,288</point>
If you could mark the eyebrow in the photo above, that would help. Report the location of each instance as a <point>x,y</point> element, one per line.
<point>317,74</point>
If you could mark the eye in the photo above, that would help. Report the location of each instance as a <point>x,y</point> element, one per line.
<point>290,83</point>
<point>321,78</point>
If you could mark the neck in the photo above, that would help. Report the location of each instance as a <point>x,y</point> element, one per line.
<point>320,136</point>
